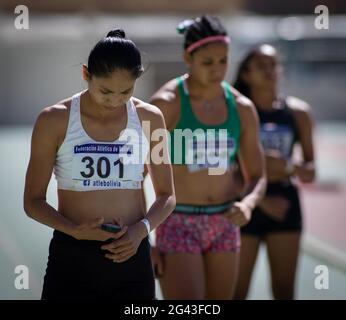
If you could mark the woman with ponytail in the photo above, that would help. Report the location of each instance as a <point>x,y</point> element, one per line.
<point>197,247</point>
<point>96,145</point>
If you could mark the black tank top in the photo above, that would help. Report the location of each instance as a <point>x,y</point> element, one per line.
<point>278,131</point>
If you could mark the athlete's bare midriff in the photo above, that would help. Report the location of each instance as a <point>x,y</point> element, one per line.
<point>110,204</point>
<point>201,188</point>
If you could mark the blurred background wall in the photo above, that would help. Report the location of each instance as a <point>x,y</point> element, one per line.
<point>61,34</point>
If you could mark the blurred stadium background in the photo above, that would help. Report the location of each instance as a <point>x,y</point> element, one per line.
<point>42,65</point>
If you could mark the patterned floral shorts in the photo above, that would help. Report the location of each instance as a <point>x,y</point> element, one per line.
<point>197,233</point>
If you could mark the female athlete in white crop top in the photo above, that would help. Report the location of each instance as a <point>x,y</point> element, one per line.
<point>99,169</point>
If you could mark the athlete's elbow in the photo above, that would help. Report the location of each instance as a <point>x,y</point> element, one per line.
<point>172,202</point>
<point>258,178</point>
<point>259,183</point>
<point>262,185</point>
<point>167,199</point>
<point>28,207</point>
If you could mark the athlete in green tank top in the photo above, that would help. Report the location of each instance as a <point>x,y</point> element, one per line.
<point>198,245</point>
<point>221,140</point>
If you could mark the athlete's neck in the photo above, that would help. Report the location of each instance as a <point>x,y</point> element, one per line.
<point>203,92</point>
<point>264,99</point>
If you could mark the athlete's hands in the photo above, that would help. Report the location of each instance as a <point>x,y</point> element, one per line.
<point>157,260</point>
<point>92,231</point>
<point>239,214</point>
<point>125,247</point>
<point>305,172</point>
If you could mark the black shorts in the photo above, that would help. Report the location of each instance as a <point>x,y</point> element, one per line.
<point>78,269</point>
<point>261,223</point>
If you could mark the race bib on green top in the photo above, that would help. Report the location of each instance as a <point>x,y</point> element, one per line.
<point>209,151</point>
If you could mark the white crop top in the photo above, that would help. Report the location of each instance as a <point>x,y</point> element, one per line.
<point>83,164</point>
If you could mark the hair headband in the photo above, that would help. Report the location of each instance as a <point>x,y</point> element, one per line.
<point>206,40</point>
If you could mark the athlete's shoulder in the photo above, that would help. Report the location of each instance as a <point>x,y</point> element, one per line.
<point>56,112</point>
<point>168,101</point>
<point>147,111</point>
<point>244,104</point>
<point>167,94</point>
<point>246,110</point>
<point>53,119</point>
<point>298,105</point>
<point>300,109</point>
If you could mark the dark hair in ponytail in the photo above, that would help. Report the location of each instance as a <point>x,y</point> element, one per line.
<point>200,28</point>
<point>116,33</point>
<point>115,52</point>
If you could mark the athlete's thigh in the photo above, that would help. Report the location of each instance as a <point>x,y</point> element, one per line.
<point>283,252</point>
<point>221,271</point>
<point>183,276</point>
<point>248,255</point>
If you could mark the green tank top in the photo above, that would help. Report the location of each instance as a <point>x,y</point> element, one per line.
<point>211,142</point>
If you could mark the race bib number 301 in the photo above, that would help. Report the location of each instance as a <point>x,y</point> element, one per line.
<point>95,161</point>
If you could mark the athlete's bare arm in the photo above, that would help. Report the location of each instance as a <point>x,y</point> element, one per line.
<point>251,160</point>
<point>158,165</point>
<point>301,110</point>
<point>168,101</point>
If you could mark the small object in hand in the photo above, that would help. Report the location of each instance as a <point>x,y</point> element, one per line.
<point>110,227</point>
